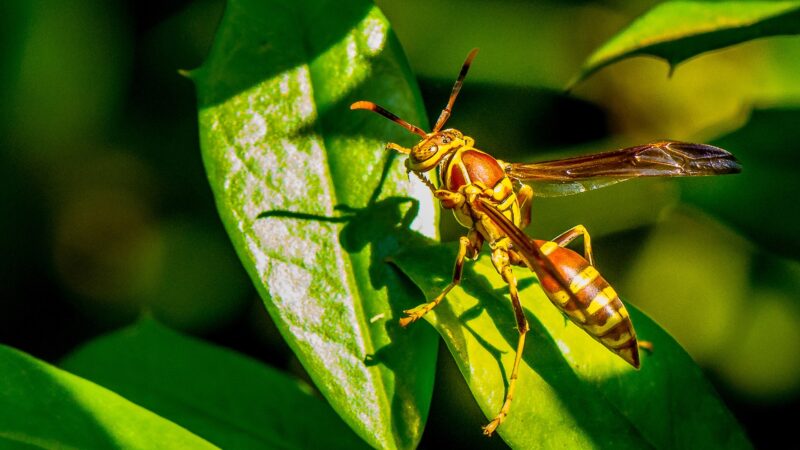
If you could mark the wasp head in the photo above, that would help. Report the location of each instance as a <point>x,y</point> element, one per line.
<point>429,152</point>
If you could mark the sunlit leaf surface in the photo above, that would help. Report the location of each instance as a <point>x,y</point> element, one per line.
<point>45,407</point>
<point>227,399</point>
<point>678,30</point>
<point>572,392</point>
<point>313,206</point>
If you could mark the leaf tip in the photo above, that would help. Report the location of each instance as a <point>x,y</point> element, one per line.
<point>572,83</point>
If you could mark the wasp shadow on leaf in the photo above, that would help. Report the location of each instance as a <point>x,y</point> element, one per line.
<point>373,233</point>
<point>381,228</point>
<point>383,224</point>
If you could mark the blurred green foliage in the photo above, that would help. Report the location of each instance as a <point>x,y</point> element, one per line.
<point>215,393</point>
<point>106,211</point>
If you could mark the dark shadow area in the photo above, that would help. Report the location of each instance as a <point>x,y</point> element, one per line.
<point>446,429</point>
<point>35,318</point>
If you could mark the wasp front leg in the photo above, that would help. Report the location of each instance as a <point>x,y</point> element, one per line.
<point>500,259</point>
<point>449,199</point>
<point>468,247</point>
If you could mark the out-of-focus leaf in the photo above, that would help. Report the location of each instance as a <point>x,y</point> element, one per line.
<point>572,392</point>
<point>42,406</point>
<point>757,353</point>
<point>90,39</point>
<point>522,43</point>
<point>678,30</point>
<point>669,276</point>
<point>198,287</point>
<point>759,200</point>
<point>313,207</point>
<point>227,399</point>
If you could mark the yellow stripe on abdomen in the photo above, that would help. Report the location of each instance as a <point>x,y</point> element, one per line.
<point>600,300</point>
<point>583,278</point>
<point>548,247</point>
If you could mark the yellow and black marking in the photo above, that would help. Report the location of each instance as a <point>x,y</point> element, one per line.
<point>591,302</point>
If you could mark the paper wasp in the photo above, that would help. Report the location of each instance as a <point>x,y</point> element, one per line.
<point>489,198</point>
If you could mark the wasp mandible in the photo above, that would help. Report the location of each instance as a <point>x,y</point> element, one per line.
<point>490,198</point>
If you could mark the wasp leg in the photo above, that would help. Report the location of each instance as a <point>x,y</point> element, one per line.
<point>500,259</point>
<point>398,148</point>
<point>449,199</point>
<point>646,345</point>
<point>525,198</point>
<point>464,247</point>
<point>568,236</point>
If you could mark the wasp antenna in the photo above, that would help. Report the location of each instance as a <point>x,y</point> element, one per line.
<point>373,107</point>
<point>456,89</point>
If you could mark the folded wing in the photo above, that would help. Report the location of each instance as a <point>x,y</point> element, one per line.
<point>659,159</point>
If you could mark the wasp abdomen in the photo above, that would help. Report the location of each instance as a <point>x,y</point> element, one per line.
<point>595,306</point>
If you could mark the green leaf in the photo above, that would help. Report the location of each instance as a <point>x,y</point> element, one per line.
<point>313,207</point>
<point>42,406</point>
<point>571,392</point>
<point>678,30</point>
<point>224,397</point>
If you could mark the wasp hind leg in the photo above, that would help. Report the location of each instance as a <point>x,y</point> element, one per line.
<point>568,236</point>
<point>468,247</point>
<point>500,259</point>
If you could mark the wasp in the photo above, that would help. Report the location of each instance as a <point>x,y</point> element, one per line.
<point>492,199</point>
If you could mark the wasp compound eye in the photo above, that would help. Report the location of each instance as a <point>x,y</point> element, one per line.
<point>423,153</point>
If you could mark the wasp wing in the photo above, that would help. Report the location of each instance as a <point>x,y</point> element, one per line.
<point>659,159</point>
<point>525,246</point>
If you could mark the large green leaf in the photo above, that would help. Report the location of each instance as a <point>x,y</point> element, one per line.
<point>572,392</point>
<point>680,29</point>
<point>42,406</point>
<point>313,207</point>
<point>226,398</point>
